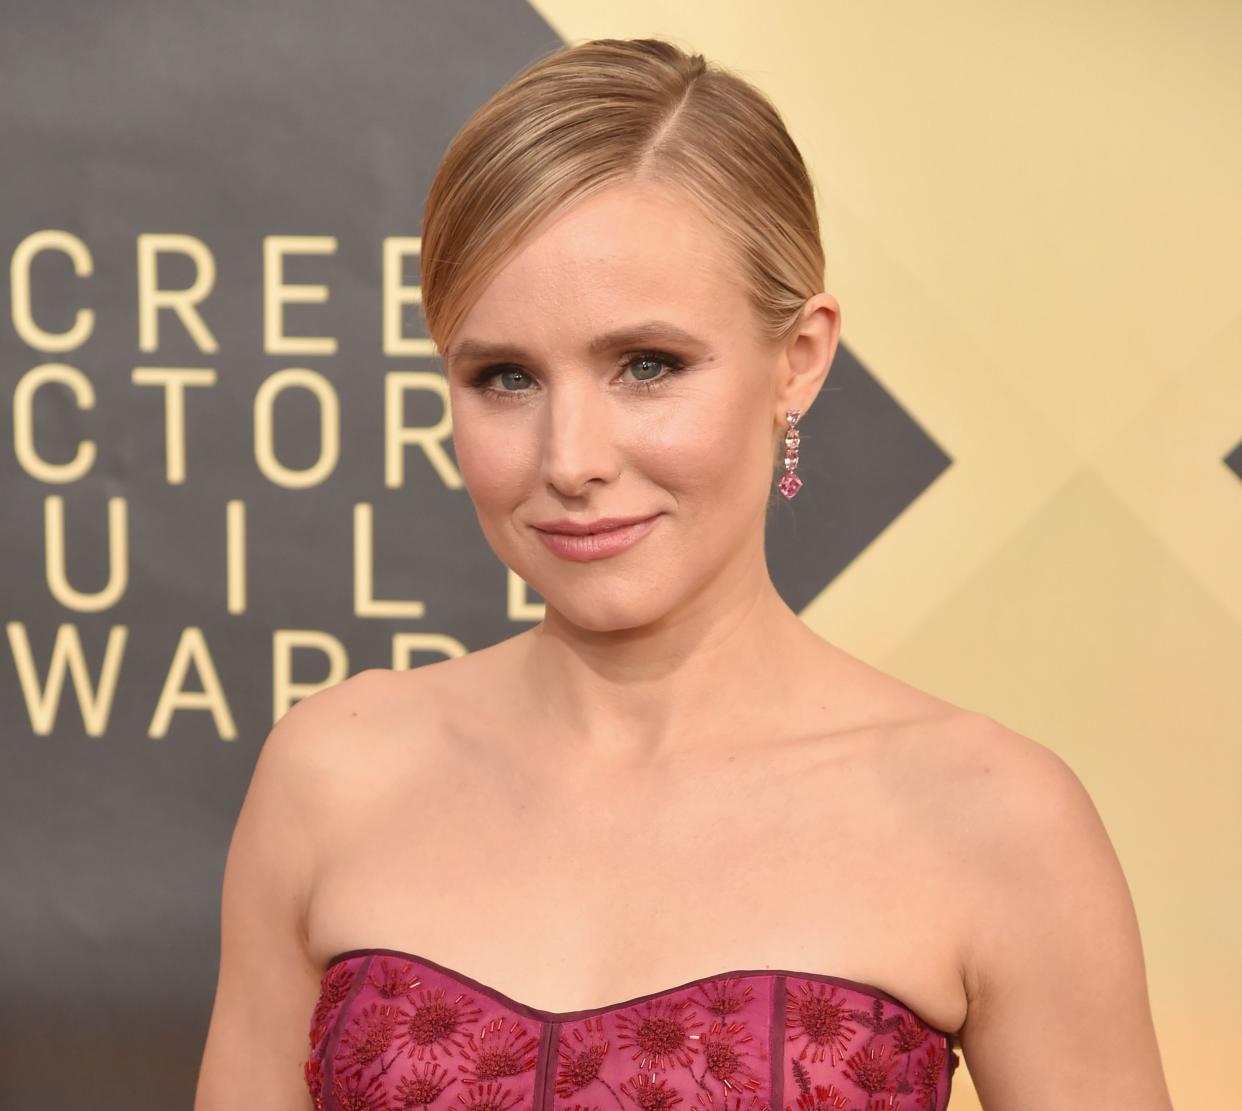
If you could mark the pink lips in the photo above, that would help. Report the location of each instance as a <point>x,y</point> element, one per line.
<point>597,539</point>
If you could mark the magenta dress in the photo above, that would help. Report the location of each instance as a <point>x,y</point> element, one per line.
<point>396,1032</point>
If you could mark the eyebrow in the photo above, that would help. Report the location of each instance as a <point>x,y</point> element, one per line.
<point>649,331</point>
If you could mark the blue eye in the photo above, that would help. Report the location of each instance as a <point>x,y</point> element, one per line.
<point>660,358</point>
<point>511,378</point>
<point>507,377</point>
<point>515,380</point>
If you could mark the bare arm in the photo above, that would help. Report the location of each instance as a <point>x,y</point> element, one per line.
<point>258,1038</point>
<point>1059,1014</point>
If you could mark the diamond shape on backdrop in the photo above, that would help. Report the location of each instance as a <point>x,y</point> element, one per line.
<point>1234,460</point>
<point>863,459</point>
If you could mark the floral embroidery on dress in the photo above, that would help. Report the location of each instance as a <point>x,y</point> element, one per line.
<point>333,987</point>
<point>491,1096</point>
<point>391,979</point>
<point>353,1092</point>
<point>729,1057</point>
<point>927,1073</point>
<point>312,1072</point>
<point>438,1025</point>
<point>725,996</point>
<point>368,1036</point>
<point>502,1048</point>
<point>818,1016</point>
<point>663,1032</point>
<point>582,1050</point>
<point>421,1089</point>
<point>394,1032</point>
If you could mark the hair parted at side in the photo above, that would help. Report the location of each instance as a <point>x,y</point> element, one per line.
<point>611,111</point>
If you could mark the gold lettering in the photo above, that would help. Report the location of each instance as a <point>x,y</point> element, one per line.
<point>23,423</point>
<point>277,293</point>
<point>192,648</point>
<point>329,428</point>
<point>151,298</point>
<point>19,290</point>
<point>396,295</point>
<point>174,379</point>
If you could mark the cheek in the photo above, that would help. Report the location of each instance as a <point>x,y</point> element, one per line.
<point>492,467</point>
<point>690,459</point>
<point>714,450</point>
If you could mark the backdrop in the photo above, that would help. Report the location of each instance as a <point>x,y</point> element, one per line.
<point>231,479</point>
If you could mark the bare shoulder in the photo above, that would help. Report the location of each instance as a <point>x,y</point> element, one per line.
<point>1010,778</point>
<point>300,777</point>
<point>347,745</point>
<point>313,743</point>
<point>1053,963</point>
<point>326,738</point>
<point>267,982</point>
<point>1016,795</point>
<point>1011,809</point>
<point>311,731</point>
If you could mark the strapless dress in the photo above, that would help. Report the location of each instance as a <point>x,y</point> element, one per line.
<point>392,1031</point>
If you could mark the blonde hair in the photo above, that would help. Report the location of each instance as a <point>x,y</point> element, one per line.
<point>610,111</point>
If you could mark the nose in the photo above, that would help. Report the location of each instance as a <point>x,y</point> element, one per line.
<point>578,440</point>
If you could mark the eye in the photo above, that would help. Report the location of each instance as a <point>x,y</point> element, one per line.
<point>511,379</point>
<point>648,377</point>
<point>499,380</point>
<point>650,370</point>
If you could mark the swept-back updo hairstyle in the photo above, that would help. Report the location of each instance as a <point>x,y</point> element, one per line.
<point>610,111</point>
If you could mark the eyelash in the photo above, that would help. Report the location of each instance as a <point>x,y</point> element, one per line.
<point>671,363</point>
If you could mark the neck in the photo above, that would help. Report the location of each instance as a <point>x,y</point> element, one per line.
<point>692,680</point>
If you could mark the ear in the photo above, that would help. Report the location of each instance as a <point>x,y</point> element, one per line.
<point>808,355</point>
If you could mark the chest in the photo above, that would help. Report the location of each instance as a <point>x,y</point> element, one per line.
<point>574,891</point>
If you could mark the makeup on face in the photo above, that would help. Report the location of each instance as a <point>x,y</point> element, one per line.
<point>583,546</point>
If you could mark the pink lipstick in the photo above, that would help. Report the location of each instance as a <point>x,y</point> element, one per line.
<point>598,539</point>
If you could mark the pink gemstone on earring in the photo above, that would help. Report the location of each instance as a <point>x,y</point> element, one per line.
<point>789,484</point>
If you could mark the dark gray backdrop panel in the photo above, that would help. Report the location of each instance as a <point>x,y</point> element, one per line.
<point>229,122</point>
<point>226,121</point>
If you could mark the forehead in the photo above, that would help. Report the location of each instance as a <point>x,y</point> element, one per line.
<point>628,252</point>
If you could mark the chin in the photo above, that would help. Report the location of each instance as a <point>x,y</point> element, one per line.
<point>627,606</point>
<point>598,620</point>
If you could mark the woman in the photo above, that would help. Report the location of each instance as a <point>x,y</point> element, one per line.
<point>668,846</point>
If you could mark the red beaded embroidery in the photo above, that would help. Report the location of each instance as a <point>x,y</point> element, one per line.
<point>396,1032</point>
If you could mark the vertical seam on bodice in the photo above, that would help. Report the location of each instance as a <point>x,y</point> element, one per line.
<point>948,1064</point>
<point>547,1060</point>
<point>329,1049</point>
<point>776,1046</point>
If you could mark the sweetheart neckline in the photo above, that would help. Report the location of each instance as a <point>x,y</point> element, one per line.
<point>589,1012</point>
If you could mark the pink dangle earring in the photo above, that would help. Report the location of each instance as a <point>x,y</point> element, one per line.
<point>790,483</point>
